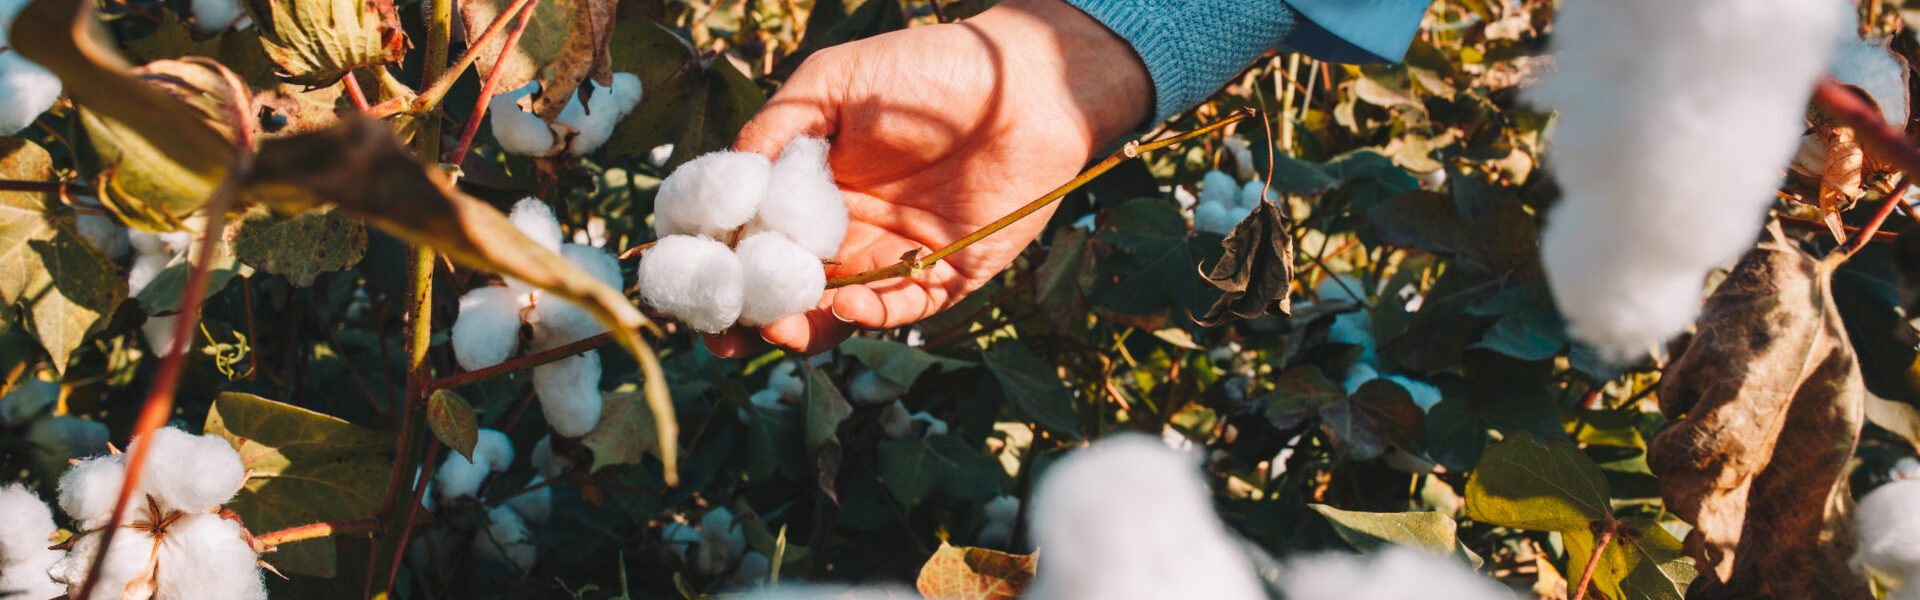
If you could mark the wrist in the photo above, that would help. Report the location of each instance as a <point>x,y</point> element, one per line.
<point>1070,59</point>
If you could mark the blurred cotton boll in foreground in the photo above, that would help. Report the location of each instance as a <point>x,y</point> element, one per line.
<point>26,529</point>
<point>1887,522</point>
<point>1127,518</point>
<point>1393,574</point>
<point>1675,122</point>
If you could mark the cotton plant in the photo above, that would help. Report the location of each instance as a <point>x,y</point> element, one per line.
<point>29,88</point>
<point>1355,328</point>
<point>897,422</point>
<point>508,537</point>
<point>1887,524</point>
<point>578,130</point>
<point>1674,123</point>
<point>712,548</point>
<point>743,237</point>
<point>487,330</point>
<point>26,537</point>
<point>174,541</point>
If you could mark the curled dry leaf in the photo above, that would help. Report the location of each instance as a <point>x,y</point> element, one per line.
<point>316,42</point>
<point>1768,405</point>
<point>564,44</point>
<point>1256,272</point>
<point>360,167</point>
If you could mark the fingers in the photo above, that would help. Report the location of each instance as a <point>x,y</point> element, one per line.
<point>801,108</point>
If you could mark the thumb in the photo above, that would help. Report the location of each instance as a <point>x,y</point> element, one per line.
<point>796,110</point>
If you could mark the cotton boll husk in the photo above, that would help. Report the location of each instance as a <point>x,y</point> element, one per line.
<point>1868,65</point>
<point>535,506</point>
<point>27,578</point>
<point>487,331</point>
<point>1424,394</point>
<point>711,195</point>
<point>1395,573</point>
<point>25,525</point>
<point>104,235</point>
<point>506,539</point>
<point>545,462</point>
<point>1674,122</point>
<point>89,489</point>
<point>126,559</point>
<point>1213,218</point>
<point>592,123</point>
<point>869,388</point>
<point>30,90</point>
<point>1887,522</point>
<point>558,321</point>
<point>205,557</point>
<point>190,473</point>
<point>695,280</point>
<point>786,379</point>
<point>1218,189</point>
<point>1128,518</point>
<point>569,391</point>
<point>895,421</point>
<point>781,278</point>
<point>803,202</point>
<point>518,131</point>
<point>934,425</point>
<point>212,16</point>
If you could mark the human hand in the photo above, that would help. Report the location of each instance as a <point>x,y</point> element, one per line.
<point>937,131</point>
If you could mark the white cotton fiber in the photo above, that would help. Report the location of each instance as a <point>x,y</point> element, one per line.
<point>105,235</point>
<point>160,334</point>
<point>1424,394</point>
<point>1000,515</point>
<point>212,16</point>
<point>1906,468</point>
<point>1675,122</point>
<point>1242,155</point>
<point>1868,65</point>
<point>1396,573</point>
<point>712,195</point>
<point>29,88</point>
<point>545,462</point>
<point>627,90</point>
<point>1214,218</point>
<point>1126,519</point>
<point>1001,509</point>
<point>720,542</point>
<point>25,526</point>
<point>89,489</point>
<point>679,539</point>
<point>535,506</point>
<point>869,389</point>
<point>781,278</point>
<point>1250,196</point>
<point>127,559</point>
<point>190,473</point>
<point>787,379</point>
<point>518,131</point>
<point>206,557</point>
<point>895,421</point>
<point>487,331</point>
<point>144,269</point>
<point>803,202</point>
<point>1887,522</point>
<point>28,578</point>
<point>558,321</point>
<point>492,448</point>
<point>694,280</point>
<point>459,478</point>
<point>592,123</point>
<point>535,220</point>
<point>932,425</point>
<point>753,569</point>
<point>569,391</point>
<point>768,398</point>
<point>793,591</point>
<point>1219,189</point>
<point>506,539</point>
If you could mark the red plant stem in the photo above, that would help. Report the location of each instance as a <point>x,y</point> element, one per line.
<point>358,97</point>
<point>1895,198</point>
<point>1599,548</point>
<point>413,508</point>
<point>159,403</point>
<point>485,98</point>
<point>314,531</point>
<point>523,362</point>
<point>1883,237</point>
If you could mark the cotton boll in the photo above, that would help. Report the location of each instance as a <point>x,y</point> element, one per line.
<point>27,577</point>
<point>1905,468</point>
<point>1887,522</point>
<point>506,539</point>
<point>213,16</point>
<point>558,321</point>
<point>1242,156</point>
<point>787,380</point>
<point>659,154</point>
<point>895,421</point>
<point>144,269</point>
<point>535,220</point>
<point>767,398</point>
<point>1213,218</point>
<point>1674,122</point>
<point>803,202</point>
<point>712,195</point>
<point>1002,509</point>
<point>1218,188</point>
<point>89,489</point>
<point>1424,394</point>
<point>1354,328</point>
<point>127,559</point>
<point>545,462</point>
<point>25,526</point>
<point>679,540</point>
<point>933,425</point>
<point>487,331</point>
<point>781,278</point>
<point>1396,573</point>
<point>1252,193</point>
<point>1358,375</point>
<point>104,235</point>
<point>459,477</point>
<point>1128,518</point>
<point>720,542</point>
<point>869,388</point>
<point>537,505</point>
<point>30,90</point>
<point>753,569</point>
<point>190,473</point>
<point>206,557</point>
<point>593,123</point>
<point>995,535</point>
<point>695,280</point>
<point>1868,65</point>
<point>492,448</point>
<point>518,131</point>
<point>569,391</point>
<point>627,89</point>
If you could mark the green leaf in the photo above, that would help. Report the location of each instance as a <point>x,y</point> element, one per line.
<point>62,285</point>
<point>625,434</point>
<point>1032,387</point>
<point>1300,393</point>
<point>1375,416</point>
<point>302,246</point>
<point>164,294</point>
<point>775,442</point>
<point>302,467</point>
<point>316,42</point>
<point>698,106</point>
<point>899,363</point>
<point>452,420</point>
<point>1371,532</point>
<point>825,409</point>
<point>914,468</point>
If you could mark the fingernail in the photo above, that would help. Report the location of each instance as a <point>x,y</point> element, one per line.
<point>835,311</point>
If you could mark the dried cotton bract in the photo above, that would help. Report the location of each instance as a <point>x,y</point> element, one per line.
<point>1128,519</point>
<point>1675,121</point>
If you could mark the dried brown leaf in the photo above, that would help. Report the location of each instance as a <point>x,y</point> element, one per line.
<point>1256,271</point>
<point>564,44</point>
<point>963,573</point>
<point>1768,402</point>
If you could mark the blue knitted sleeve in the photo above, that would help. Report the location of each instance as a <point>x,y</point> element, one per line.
<point>1192,47</point>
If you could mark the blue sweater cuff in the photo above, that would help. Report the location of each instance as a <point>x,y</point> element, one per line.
<point>1192,47</point>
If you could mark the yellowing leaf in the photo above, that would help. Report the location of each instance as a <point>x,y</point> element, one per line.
<point>316,42</point>
<point>963,573</point>
<point>452,420</point>
<point>62,284</point>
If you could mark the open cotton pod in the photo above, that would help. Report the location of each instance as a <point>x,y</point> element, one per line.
<point>694,280</point>
<point>712,195</point>
<point>781,278</point>
<point>802,200</point>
